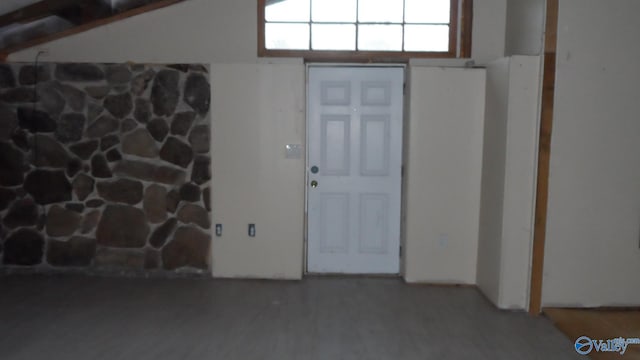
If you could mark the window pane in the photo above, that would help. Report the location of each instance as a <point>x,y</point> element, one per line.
<point>427,11</point>
<point>426,38</point>
<point>287,36</point>
<point>380,11</point>
<point>380,37</point>
<point>287,10</point>
<point>334,10</point>
<point>333,37</point>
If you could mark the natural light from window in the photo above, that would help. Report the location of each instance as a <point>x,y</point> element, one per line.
<point>358,25</point>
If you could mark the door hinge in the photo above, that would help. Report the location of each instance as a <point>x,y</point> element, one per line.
<point>400,252</point>
<point>404,88</point>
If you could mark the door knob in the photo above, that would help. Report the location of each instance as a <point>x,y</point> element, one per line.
<point>314,184</point>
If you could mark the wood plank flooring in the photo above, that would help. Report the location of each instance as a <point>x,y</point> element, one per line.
<point>600,325</point>
<point>86,318</point>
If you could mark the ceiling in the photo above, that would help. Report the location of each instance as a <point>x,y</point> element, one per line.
<point>26,23</point>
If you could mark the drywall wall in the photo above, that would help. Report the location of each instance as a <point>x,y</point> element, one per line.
<point>509,159</point>
<point>525,27</point>
<point>250,95</point>
<point>259,111</point>
<point>592,256</point>
<point>225,32</point>
<point>493,170</point>
<point>443,173</point>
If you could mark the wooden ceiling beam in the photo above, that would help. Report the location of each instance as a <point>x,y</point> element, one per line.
<point>39,10</point>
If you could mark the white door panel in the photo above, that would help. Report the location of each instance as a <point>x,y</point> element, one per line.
<point>355,149</point>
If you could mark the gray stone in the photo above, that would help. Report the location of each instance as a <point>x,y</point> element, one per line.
<point>48,187</point>
<point>24,247</point>
<point>62,222</point>
<point>50,99</point>
<point>19,95</point>
<point>121,190</point>
<point>21,139</point>
<point>94,203</point>
<point>70,127</point>
<point>76,98</point>
<point>122,226</point>
<point>22,213</point>
<point>8,122</point>
<point>143,110</point>
<point>78,72</point>
<point>108,142</point>
<point>90,222</point>
<point>173,200</point>
<point>201,172</point>
<point>197,93</point>
<point>151,259</point>
<point>149,172</point>
<point>98,92</point>
<point>199,139</point>
<point>50,153</point>
<point>158,128</point>
<point>113,155</point>
<point>77,207</point>
<point>100,167</point>
<point>73,167</point>
<point>206,196</point>
<point>119,105</point>
<point>140,143</point>
<point>85,149</point>
<point>118,74</point>
<point>119,259</point>
<point>164,92</point>
<point>11,164</point>
<point>35,120</point>
<point>155,203</point>
<point>77,251</point>
<point>189,248</point>
<point>176,152</point>
<point>7,79</point>
<point>6,197</point>
<point>128,125</point>
<point>29,76</point>
<point>93,111</point>
<point>182,122</point>
<point>190,192</point>
<point>83,186</point>
<point>140,83</point>
<point>194,214</point>
<point>138,67</point>
<point>161,234</point>
<point>102,126</point>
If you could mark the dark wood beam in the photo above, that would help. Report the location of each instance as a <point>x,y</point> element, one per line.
<point>88,24</point>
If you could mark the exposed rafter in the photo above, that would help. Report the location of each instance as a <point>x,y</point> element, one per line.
<point>79,15</point>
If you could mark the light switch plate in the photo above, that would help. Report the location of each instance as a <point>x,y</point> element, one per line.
<point>293,151</point>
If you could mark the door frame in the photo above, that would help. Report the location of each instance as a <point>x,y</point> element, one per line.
<point>308,66</point>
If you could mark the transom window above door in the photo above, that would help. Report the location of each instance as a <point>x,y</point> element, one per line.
<point>364,29</point>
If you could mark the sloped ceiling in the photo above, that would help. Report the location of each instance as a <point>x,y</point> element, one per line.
<point>27,23</point>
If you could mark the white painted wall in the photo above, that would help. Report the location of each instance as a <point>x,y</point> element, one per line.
<point>525,27</point>
<point>592,255</point>
<point>443,173</point>
<point>508,180</point>
<point>256,111</point>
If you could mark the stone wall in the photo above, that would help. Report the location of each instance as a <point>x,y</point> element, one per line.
<point>105,167</point>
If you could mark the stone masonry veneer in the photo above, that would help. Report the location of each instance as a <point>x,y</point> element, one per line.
<point>105,167</point>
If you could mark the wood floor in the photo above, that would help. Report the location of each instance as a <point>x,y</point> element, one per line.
<point>600,325</point>
<point>84,318</point>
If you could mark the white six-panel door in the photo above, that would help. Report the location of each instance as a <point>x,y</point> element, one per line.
<point>354,169</point>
